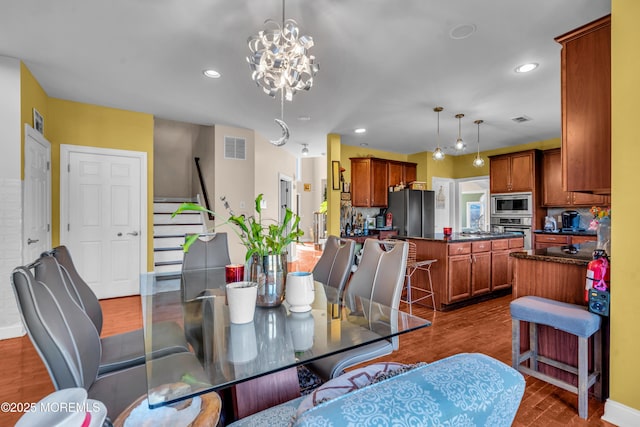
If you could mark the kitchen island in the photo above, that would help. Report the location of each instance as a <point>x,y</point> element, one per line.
<point>558,273</point>
<point>471,266</point>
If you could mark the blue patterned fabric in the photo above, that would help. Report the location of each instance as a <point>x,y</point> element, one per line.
<point>461,390</point>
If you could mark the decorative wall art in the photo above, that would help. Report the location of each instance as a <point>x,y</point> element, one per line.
<point>38,121</point>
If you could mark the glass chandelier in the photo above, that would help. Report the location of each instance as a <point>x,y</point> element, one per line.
<point>478,161</point>
<point>280,59</point>
<point>438,154</point>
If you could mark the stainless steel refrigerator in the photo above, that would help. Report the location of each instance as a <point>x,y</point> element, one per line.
<point>413,212</point>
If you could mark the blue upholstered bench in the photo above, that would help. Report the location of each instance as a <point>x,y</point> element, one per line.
<point>571,318</point>
<point>465,389</point>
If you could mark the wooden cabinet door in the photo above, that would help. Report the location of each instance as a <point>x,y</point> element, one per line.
<point>360,182</point>
<point>552,192</point>
<point>410,172</point>
<point>379,189</point>
<point>521,169</point>
<point>586,199</point>
<point>480,273</point>
<point>499,174</point>
<point>576,240</point>
<point>500,274</point>
<point>396,174</point>
<point>586,107</point>
<point>459,278</point>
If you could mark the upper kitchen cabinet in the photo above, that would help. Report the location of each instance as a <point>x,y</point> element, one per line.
<point>553,194</point>
<point>586,107</point>
<point>513,172</point>
<point>401,172</point>
<point>369,182</point>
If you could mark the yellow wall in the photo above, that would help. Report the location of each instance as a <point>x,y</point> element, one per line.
<point>74,123</point>
<point>333,196</point>
<point>31,96</point>
<point>625,274</point>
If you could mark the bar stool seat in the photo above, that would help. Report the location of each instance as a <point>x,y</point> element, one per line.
<point>570,318</point>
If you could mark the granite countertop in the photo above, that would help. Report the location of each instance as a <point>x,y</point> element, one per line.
<point>572,254</point>
<point>568,233</point>
<point>463,237</point>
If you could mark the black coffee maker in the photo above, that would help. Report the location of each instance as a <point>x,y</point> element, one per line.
<point>570,220</point>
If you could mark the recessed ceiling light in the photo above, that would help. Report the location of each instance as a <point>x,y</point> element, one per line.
<point>304,118</point>
<point>360,130</point>
<point>525,68</point>
<point>212,74</point>
<point>364,144</point>
<point>462,31</point>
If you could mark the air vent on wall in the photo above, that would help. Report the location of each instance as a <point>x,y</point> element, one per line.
<point>234,148</point>
<point>521,119</point>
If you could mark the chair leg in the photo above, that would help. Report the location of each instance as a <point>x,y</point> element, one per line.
<point>533,345</point>
<point>433,299</point>
<point>597,363</point>
<point>409,296</point>
<point>583,377</point>
<point>515,343</point>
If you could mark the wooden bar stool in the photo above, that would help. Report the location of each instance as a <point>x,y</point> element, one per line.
<point>570,318</point>
<point>412,266</point>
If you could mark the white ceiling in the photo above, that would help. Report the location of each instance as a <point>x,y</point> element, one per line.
<point>384,65</point>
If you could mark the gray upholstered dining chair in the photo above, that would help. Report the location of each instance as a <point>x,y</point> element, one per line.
<point>208,251</point>
<point>379,278</point>
<point>334,266</point>
<point>69,345</point>
<point>56,269</point>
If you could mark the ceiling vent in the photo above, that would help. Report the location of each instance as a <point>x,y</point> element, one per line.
<point>234,148</point>
<point>521,119</point>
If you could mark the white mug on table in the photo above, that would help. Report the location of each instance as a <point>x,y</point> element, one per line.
<point>241,298</point>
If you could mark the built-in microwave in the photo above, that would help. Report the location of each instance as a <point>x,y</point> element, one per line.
<point>512,204</point>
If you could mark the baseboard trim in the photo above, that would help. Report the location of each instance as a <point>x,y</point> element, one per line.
<point>12,331</point>
<point>620,415</point>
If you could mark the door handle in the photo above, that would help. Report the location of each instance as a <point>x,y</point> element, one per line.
<point>30,241</point>
<point>134,233</point>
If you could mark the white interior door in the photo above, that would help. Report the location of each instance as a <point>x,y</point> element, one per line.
<point>105,214</point>
<point>37,195</point>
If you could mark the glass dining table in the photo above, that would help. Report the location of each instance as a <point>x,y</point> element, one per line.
<point>223,354</point>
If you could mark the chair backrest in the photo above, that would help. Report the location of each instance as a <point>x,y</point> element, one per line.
<point>380,276</point>
<point>65,339</point>
<point>208,251</point>
<point>81,292</point>
<point>334,266</point>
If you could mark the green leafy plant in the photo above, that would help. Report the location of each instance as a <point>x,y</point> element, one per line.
<point>271,239</point>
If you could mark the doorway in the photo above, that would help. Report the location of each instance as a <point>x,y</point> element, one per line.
<point>472,204</point>
<point>103,216</point>
<point>37,195</point>
<point>286,199</point>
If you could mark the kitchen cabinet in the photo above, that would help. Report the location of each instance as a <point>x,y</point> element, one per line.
<point>546,240</point>
<point>459,268</point>
<point>553,194</point>
<point>401,172</point>
<point>466,270</point>
<point>480,267</point>
<point>369,182</point>
<point>586,107</point>
<point>513,172</point>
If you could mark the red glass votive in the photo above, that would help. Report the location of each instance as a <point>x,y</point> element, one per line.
<point>447,231</point>
<point>234,273</point>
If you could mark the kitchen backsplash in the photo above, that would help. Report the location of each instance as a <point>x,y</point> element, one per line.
<point>585,216</point>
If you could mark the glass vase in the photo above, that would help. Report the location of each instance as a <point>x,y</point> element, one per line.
<point>270,272</point>
<point>604,235</point>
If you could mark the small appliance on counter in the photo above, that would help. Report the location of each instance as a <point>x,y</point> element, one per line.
<point>571,221</point>
<point>550,224</point>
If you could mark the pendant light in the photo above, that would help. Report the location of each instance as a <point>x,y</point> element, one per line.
<point>478,161</point>
<point>438,154</point>
<point>459,145</point>
<point>305,149</point>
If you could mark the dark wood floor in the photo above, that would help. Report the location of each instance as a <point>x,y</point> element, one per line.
<point>483,328</point>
